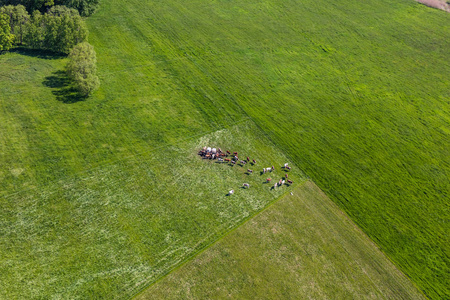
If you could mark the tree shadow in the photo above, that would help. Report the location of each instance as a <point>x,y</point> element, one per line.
<point>37,53</point>
<point>63,87</point>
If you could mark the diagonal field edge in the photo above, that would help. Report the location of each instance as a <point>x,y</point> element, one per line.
<point>238,225</point>
<point>222,231</point>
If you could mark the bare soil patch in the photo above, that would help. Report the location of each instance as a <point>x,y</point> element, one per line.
<point>439,4</point>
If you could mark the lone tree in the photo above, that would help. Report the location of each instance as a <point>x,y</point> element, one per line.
<point>82,68</point>
<point>6,37</point>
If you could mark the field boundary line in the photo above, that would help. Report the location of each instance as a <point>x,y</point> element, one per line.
<point>365,239</point>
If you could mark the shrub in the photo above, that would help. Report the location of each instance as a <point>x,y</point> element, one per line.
<point>82,68</point>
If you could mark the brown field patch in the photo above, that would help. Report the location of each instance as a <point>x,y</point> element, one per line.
<point>439,4</point>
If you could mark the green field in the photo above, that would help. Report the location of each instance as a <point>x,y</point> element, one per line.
<point>107,231</point>
<point>356,94</point>
<point>302,247</point>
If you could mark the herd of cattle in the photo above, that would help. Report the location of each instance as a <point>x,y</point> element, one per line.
<point>233,158</point>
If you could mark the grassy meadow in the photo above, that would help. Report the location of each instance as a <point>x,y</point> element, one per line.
<point>301,247</point>
<point>109,231</point>
<point>356,94</point>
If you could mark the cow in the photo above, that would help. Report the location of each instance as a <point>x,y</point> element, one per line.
<point>220,159</point>
<point>227,159</point>
<point>269,169</point>
<point>228,152</point>
<point>249,171</point>
<point>286,175</point>
<point>246,185</point>
<point>290,181</point>
<point>254,162</point>
<point>248,159</point>
<point>268,179</point>
<point>273,168</point>
<point>231,192</point>
<point>282,182</point>
<point>275,185</point>
<point>289,168</point>
<point>243,162</point>
<point>286,165</point>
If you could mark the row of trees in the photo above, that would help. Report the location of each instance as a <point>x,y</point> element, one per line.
<point>59,30</point>
<point>84,7</point>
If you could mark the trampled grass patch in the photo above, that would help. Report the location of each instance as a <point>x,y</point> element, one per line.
<point>111,230</point>
<point>301,247</point>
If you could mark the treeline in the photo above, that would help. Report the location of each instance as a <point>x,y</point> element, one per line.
<point>84,7</point>
<point>58,30</point>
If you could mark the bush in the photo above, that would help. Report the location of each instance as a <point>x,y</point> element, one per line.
<point>82,68</point>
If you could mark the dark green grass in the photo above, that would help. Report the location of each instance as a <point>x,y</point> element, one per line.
<point>356,93</point>
<point>302,247</point>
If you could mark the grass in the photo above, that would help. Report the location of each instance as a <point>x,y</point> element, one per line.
<point>301,247</point>
<point>355,93</point>
<point>110,230</point>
